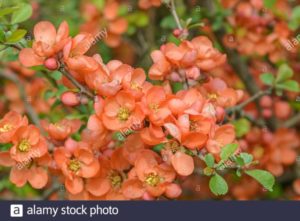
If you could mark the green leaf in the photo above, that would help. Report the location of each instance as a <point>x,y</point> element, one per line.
<point>5,147</point>
<point>56,75</point>
<point>2,36</point>
<point>242,127</point>
<point>265,178</point>
<point>118,136</point>
<point>209,160</point>
<point>284,73</point>
<point>168,23</point>
<point>289,85</point>
<point>123,10</point>
<point>23,12</point>
<point>140,19</point>
<point>228,150</point>
<point>247,158</point>
<point>269,3</point>
<point>16,36</point>
<point>99,4</point>
<point>295,18</point>
<point>49,94</point>
<point>177,86</point>
<point>7,11</point>
<point>218,185</point>
<point>157,148</point>
<point>267,78</point>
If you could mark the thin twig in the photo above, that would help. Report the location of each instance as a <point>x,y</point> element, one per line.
<point>248,101</point>
<point>82,89</point>
<point>292,121</point>
<point>175,15</point>
<point>28,108</point>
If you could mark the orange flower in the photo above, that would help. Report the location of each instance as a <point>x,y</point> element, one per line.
<point>222,136</point>
<point>186,60</point>
<point>133,83</point>
<point>17,67</point>
<point>76,165</point>
<point>107,80</point>
<point>74,57</point>
<point>9,124</point>
<point>63,129</point>
<point>28,144</point>
<point>146,4</point>
<point>121,111</point>
<point>155,105</point>
<point>47,43</point>
<point>106,23</point>
<point>152,176</point>
<point>36,175</point>
<point>110,179</point>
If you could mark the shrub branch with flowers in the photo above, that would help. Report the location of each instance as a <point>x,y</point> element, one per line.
<point>108,130</point>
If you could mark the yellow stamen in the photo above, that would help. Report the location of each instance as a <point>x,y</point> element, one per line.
<point>24,146</point>
<point>174,146</point>
<point>6,128</point>
<point>152,180</point>
<point>123,114</point>
<point>193,125</point>
<point>213,96</point>
<point>135,86</point>
<point>115,179</point>
<point>154,107</point>
<point>74,165</point>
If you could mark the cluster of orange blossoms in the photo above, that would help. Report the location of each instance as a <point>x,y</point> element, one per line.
<point>252,24</point>
<point>145,115</point>
<point>105,23</point>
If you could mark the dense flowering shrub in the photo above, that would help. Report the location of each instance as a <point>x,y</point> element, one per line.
<point>194,118</point>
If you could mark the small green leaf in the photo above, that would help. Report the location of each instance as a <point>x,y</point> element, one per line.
<point>269,3</point>
<point>265,178</point>
<point>49,94</point>
<point>218,185</point>
<point>99,4</point>
<point>118,136</point>
<point>289,85</point>
<point>238,172</point>
<point>177,86</point>
<point>209,160</point>
<point>157,148</point>
<point>56,75</point>
<point>247,158</point>
<point>23,12</point>
<point>242,127</point>
<point>5,147</point>
<point>267,78</point>
<point>295,18</point>
<point>2,36</point>
<point>168,22</point>
<point>284,73</point>
<point>16,36</point>
<point>228,150</point>
<point>7,11</point>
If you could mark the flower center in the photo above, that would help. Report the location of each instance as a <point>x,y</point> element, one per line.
<point>213,96</point>
<point>74,165</point>
<point>135,86</point>
<point>174,146</point>
<point>115,179</point>
<point>152,180</point>
<point>154,107</point>
<point>193,125</point>
<point>123,114</point>
<point>24,146</point>
<point>6,128</point>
